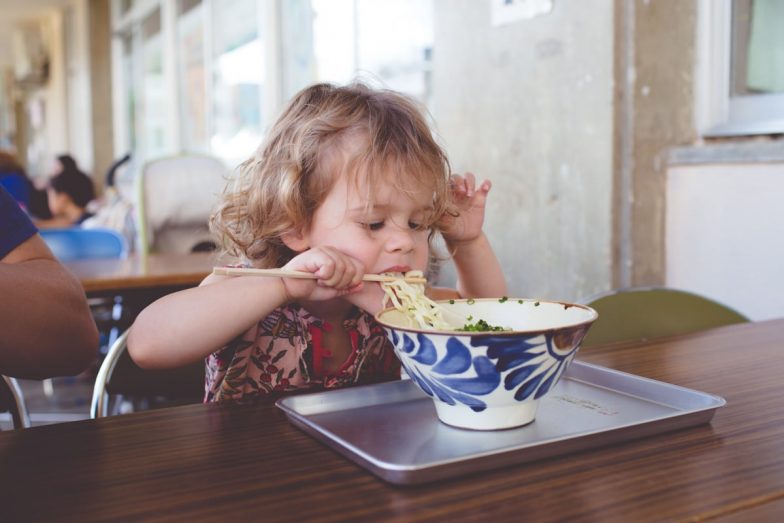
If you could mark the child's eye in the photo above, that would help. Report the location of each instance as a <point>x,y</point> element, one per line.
<point>415,226</point>
<point>375,226</point>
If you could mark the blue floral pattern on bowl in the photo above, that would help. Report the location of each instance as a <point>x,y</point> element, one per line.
<point>459,377</point>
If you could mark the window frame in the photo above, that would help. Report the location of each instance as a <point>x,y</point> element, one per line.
<point>718,114</point>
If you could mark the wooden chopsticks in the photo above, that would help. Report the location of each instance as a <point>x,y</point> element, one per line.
<point>280,273</point>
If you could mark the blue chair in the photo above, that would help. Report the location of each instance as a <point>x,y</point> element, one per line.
<point>76,243</point>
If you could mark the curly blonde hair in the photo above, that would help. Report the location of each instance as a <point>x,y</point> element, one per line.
<point>327,131</point>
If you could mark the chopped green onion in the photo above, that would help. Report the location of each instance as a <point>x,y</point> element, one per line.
<point>481,326</point>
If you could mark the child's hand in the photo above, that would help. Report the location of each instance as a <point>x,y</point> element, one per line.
<point>470,209</point>
<point>339,274</point>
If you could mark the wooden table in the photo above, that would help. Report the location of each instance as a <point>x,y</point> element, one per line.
<point>142,272</point>
<point>246,462</point>
<point>141,279</point>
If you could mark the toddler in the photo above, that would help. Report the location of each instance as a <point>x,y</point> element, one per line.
<point>349,181</point>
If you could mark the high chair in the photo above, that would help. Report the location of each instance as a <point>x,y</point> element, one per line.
<point>176,196</point>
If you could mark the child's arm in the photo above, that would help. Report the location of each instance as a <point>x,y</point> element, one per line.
<point>479,273</point>
<point>186,326</point>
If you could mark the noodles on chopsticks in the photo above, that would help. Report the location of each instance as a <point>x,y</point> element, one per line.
<point>410,299</point>
<point>422,312</point>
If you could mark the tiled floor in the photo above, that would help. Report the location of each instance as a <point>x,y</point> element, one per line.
<point>68,400</point>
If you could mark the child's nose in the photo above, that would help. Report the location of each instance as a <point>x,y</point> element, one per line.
<point>401,239</point>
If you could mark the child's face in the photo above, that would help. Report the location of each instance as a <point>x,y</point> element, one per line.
<point>386,236</point>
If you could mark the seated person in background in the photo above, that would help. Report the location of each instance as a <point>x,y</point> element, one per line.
<point>69,192</point>
<point>45,324</point>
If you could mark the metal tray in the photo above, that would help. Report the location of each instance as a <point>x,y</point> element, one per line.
<point>392,429</point>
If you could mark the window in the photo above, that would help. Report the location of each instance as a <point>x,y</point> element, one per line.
<point>352,37</point>
<point>757,66</point>
<point>211,75</point>
<point>153,88</point>
<point>237,79</point>
<point>192,76</point>
<point>127,113</point>
<point>740,76</point>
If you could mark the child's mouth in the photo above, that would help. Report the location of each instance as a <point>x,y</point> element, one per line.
<point>396,270</point>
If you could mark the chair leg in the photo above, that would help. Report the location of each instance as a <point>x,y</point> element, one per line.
<point>18,409</point>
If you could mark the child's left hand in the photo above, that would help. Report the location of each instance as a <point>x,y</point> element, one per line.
<point>469,206</point>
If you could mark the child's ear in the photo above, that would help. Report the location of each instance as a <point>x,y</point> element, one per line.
<point>295,240</point>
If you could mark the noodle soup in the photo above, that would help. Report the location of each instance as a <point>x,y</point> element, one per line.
<point>487,380</point>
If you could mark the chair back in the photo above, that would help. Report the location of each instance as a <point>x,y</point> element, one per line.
<point>643,313</point>
<point>176,197</point>
<point>77,243</point>
<point>12,401</point>
<point>119,378</point>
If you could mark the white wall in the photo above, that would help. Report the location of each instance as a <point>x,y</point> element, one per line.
<point>725,235</point>
<point>529,105</point>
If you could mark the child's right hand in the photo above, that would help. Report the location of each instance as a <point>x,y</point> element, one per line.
<point>338,274</point>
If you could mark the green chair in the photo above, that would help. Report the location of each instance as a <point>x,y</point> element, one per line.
<point>643,313</point>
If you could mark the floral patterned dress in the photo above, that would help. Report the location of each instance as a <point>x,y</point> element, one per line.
<point>283,352</point>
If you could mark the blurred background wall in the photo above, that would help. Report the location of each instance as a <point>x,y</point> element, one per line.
<point>529,105</point>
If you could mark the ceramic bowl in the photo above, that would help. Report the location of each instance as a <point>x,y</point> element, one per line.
<point>490,380</point>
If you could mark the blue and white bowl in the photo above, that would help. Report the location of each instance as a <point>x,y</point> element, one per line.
<point>490,380</point>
